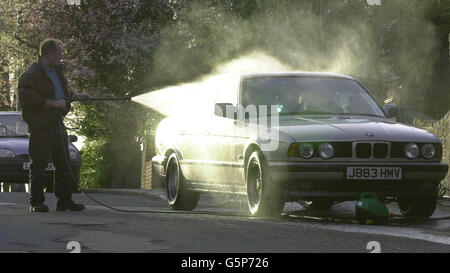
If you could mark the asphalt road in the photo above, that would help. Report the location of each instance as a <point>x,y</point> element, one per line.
<point>218,225</point>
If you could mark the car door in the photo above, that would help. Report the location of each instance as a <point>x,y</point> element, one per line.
<point>194,138</point>
<point>222,134</point>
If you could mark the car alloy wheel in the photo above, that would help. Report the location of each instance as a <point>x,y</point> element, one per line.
<point>264,197</point>
<point>173,181</point>
<point>179,196</point>
<point>254,185</point>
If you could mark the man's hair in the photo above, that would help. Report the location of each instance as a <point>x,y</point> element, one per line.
<point>48,45</point>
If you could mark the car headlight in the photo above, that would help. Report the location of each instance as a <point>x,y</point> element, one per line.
<point>7,153</point>
<point>306,150</point>
<point>411,150</point>
<point>73,155</point>
<point>326,150</point>
<point>428,151</point>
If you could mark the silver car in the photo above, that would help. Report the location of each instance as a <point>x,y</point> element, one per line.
<point>316,138</point>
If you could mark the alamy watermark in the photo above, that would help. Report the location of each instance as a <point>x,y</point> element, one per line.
<point>256,122</point>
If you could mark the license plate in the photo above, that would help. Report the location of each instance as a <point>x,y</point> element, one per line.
<point>373,173</point>
<point>50,166</point>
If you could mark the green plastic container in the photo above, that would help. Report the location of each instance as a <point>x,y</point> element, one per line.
<point>371,210</point>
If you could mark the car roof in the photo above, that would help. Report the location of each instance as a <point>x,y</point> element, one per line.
<point>295,73</point>
<point>2,113</point>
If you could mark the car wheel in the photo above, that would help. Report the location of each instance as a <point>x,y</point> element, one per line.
<point>422,206</point>
<point>179,196</point>
<point>318,205</point>
<point>264,198</point>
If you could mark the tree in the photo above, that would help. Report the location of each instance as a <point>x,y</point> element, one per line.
<point>108,48</point>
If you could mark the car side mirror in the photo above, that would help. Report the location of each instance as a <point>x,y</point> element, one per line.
<point>220,110</point>
<point>73,138</point>
<point>391,110</point>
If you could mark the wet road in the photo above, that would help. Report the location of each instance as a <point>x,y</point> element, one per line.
<point>217,225</point>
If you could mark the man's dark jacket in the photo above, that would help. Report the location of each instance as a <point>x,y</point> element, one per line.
<point>35,86</point>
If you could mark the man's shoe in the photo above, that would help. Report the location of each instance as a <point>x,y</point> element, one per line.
<point>69,205</point>
<point>38,208</point>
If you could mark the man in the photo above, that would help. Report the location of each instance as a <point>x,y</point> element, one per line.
<point>44,99</point>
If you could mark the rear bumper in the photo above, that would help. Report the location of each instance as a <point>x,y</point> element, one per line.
<point>329,179</point>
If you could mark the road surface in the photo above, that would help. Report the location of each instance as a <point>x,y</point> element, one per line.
<point>218,224</point>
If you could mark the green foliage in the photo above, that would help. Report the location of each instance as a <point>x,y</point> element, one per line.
<point>93,173</point>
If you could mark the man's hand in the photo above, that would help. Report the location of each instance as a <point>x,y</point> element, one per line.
<point>56,103</point>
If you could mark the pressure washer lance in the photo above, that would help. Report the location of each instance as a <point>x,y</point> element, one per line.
<point>99,99</point>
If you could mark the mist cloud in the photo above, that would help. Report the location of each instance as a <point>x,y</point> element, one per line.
<point>390,48</point>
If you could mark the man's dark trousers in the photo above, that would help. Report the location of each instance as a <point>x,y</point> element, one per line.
<point>42,143</point>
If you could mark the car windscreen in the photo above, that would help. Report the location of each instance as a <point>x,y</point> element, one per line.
<point>13,126</point>
<point>310,95</point>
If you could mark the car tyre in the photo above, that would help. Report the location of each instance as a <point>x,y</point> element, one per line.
<point>264,198</point>
<point>179,196</point>
<point>423,206</point>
